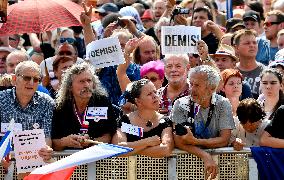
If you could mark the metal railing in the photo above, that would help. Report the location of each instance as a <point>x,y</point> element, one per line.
<point>234,165</point>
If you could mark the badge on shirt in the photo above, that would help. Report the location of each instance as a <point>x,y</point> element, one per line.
<point>96,113</point>
<point>17,127</point>
<point>131,129</point>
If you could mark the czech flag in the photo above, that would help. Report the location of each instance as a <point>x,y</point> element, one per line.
<point>64,168</point>
<point>5,144</point>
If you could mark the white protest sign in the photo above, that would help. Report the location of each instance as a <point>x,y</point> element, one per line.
<point>105,52</point>
<point>179,39</point>
<point>26,145</point>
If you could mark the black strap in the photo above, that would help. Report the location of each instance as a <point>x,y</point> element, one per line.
<point>191,114</point>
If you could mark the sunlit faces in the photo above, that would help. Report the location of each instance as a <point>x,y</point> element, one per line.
<point>247,46</point>
<point>270,85</point>
<point>199,19</point>
<point>233,87</point>
<point>224,62</point>
<point>82,85</point>
<point>176,70</point>
<point>200,90</point>
<point>12,63</point>
<point>62,67</point>
<point>251,127</point>
<point>280,41</point>
<point>154,78</point>
<point>27,81</point>
<point>159,8</point>
<point>148,98</point>
<point>271,27</point>
<point>148,51</point>
<point>3,56</point>
<point>253,25</point>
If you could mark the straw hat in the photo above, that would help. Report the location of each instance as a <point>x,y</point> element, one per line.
<point>225,50</point>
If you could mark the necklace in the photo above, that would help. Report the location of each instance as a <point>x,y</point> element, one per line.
<point>149,123</point>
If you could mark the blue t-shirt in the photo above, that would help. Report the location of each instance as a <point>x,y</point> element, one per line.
<point>273,51</point>
<point>263,53</point>
<point>109,80</point>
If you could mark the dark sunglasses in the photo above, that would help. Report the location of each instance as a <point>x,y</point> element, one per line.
<point>66,53</point>
<point>68,40</point>
<point>29,78</point>
<point>269,24</point>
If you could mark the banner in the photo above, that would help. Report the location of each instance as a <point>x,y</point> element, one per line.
<point>105,52</point>
<point>179,39</point>
<point>26,145</point>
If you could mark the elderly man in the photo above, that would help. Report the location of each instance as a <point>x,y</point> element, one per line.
<point>4,51</point>
<point>29,108</point>
<point>83,110</point>
<point>14,58</point>
<point>203,118</point>
<point>176,69</point>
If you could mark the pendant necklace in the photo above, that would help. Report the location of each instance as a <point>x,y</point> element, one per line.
<point>149,123</point>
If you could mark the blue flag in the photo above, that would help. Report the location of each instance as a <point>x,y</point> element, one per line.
<point>270,162</point>
<point>5,144</point>
<point>229,6</point>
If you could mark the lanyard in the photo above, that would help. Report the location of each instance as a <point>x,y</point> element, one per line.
<point>84,124</point>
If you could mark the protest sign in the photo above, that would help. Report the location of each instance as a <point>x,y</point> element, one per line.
<point>179,39</point>
<point>105,52</point>
<point>26,145</point>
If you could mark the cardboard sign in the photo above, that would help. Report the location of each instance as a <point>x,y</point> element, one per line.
<point>105,52</point>
<point>179,39</point>
<point>3,11</point>
<point>26,145</point>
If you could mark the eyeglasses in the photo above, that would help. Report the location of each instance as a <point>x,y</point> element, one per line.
<point>68,40</point>
<point>29,78</point>
<point>67,53</point>
<point>152,79</point>
<point>269,24</point>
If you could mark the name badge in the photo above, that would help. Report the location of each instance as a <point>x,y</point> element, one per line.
<point>5,126</point>
<point>96,113</point>
<point>131,129</point>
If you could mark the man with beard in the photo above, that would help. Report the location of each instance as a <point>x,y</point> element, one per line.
<point>83,110</point>
<point>176,68</point>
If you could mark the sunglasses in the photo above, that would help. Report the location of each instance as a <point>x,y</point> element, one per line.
<point>269,24</point>
<point>29,78</point>
<point>66,53</point>
<point>3,59</point>
<point>68,40</point>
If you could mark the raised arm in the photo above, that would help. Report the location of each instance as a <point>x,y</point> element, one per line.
<point>86,18</point>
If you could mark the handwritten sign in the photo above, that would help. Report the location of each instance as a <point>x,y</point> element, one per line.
<point>180,39</point>
<point>130,129</point>
<point>105,52</point>
<point>26,145</point>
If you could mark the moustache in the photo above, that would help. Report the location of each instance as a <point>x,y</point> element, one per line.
<point>86,90</point>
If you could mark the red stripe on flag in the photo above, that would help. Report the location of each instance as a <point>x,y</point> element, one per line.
<point>64,174</point>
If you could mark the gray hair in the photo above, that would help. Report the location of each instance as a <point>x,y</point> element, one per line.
<point>20,54</point>
<point>184,57</point>
<point>65,92</point>
<point>67,30</point>
<point>213,76</point>
<point>23,66</point>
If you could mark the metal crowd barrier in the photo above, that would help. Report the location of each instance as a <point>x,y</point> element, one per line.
<point>233,165</point>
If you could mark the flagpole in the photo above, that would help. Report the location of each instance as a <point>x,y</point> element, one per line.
<point>229,7</point>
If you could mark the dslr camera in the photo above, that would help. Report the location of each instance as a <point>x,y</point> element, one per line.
<point>179,10</point>
<point>181,130</point>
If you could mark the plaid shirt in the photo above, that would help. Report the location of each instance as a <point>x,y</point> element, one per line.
<point>38,112</point>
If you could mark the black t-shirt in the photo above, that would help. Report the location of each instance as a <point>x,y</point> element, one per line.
<point>65,121</point>
<point>212,43</point>
<point>275,128</point>
<point>164,123</point>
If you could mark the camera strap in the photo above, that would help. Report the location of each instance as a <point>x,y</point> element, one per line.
<point>192,114</point>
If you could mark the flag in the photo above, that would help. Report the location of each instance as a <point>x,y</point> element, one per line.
<point>229,6</point>
<point>270,162</point>
<point>5,144</point>
<point>66,165</point>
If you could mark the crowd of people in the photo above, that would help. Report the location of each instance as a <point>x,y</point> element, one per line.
<point>227,93</point>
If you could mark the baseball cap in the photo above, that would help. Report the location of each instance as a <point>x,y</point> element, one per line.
<point>253,15</point>
<point>107,7</point>
<point>233,23</point>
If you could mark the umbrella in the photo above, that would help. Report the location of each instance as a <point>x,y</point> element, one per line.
<point>35,16</point>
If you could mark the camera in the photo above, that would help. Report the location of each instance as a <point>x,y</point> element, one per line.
<point>179,10</point>
<point>120,23</point>
<point>181,130</point>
